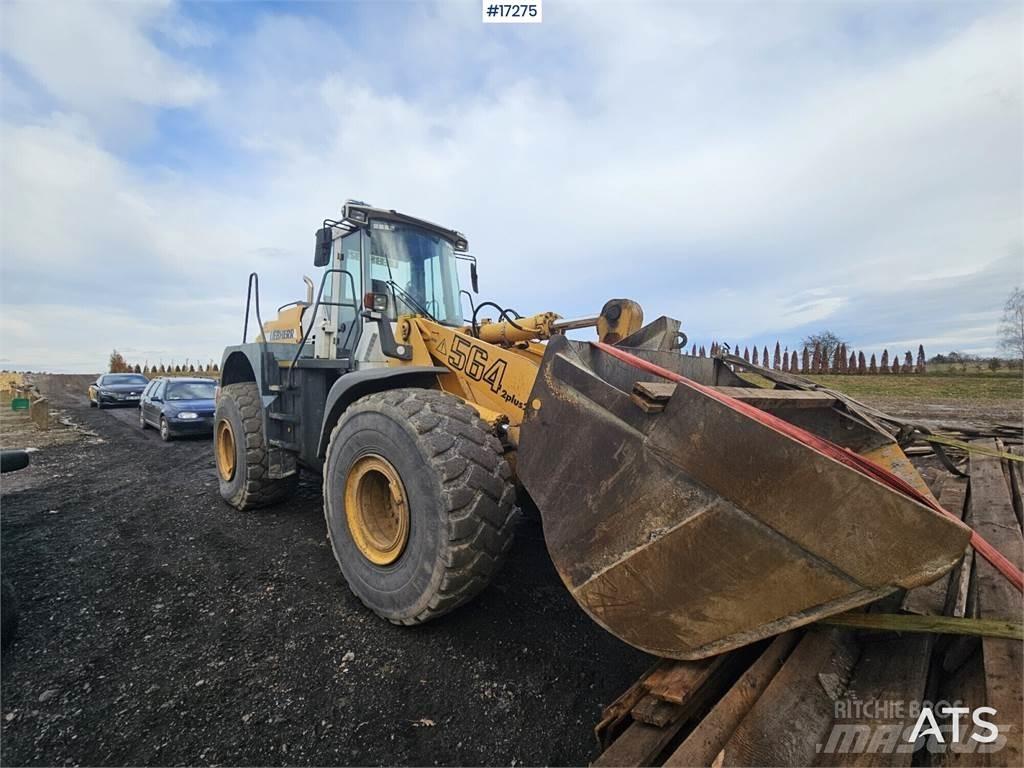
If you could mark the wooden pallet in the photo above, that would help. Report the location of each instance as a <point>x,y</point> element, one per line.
<point>782,702</point>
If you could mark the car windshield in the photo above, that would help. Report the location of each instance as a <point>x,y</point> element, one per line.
<point>191,390</point>
<point>125,378</point>
<point>421,265</point>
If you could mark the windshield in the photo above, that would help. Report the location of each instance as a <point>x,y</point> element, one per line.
<point>125,378</point>
<point>191,390</point>
<point>421,265</point>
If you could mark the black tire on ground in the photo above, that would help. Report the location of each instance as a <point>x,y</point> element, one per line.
<point>165,431</point>
<point>142,420</point>
<point>99,403</point>
<point>460,499</point>
<point>92,403</point>
<point>250,487</point>
<point>8,613</point>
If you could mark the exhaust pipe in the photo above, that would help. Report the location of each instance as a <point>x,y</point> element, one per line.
<point>309,290</point>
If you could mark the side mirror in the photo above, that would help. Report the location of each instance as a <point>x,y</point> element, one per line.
<point>473,277</point>
<point>322,252</point>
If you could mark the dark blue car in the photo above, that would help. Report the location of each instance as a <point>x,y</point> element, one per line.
<point>178,406</point>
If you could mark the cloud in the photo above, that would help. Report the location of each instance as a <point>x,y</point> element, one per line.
<point>100,60</point>
<point>756,172</point>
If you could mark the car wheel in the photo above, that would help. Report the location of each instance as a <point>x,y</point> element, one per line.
<point>92,403</point>
<point>142,420</point>
<point>99,402</point>
<point>165,431</point>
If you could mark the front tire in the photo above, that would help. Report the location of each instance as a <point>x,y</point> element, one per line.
<point>165,431</point>
<point>428,456</point>
<point>240,449</point>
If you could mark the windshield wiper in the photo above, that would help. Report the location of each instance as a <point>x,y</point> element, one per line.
<point>408,299</point>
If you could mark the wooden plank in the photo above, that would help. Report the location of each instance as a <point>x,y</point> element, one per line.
<point>994,518</point>
<point>641,743</point>
<point>616,712</point>
<point>890,670</point>
<point>767,399</point>
<point>654,711</point>
<point>941,625</point>
<point>678,680</point>
<point>710,735</point>
<point>966,687</point>
<point>659,391</point>
<point>931,599</point>
<point>638,745</point>
<point>1016,470</point>
<point>647,406</point>
<point>794,713</point>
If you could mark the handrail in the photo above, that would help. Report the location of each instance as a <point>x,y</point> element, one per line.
<point>316,307</point>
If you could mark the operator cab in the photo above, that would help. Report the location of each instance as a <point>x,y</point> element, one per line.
<point>381,263</point>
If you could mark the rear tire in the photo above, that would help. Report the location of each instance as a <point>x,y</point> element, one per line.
<point>247,485</point>
<point>458,495</point>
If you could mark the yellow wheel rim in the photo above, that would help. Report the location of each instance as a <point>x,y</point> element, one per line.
<point>224,441</point>
<point>376,509</point>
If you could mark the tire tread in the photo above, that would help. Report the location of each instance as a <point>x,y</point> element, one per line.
<point>476,489</point>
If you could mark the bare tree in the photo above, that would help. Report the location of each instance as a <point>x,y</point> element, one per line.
<point>826,341</point>
<point>1011,329</point>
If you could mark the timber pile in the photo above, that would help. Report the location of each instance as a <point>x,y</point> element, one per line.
<point>826,695</point>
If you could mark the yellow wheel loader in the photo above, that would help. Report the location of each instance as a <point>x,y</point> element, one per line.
<point>687,510</point>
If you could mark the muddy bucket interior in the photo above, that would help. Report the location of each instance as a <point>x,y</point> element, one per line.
<point>687,529</point>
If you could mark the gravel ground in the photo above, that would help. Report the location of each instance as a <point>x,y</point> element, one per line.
<point>159,626</point>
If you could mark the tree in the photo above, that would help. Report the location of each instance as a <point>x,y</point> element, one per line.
<point>826,341</point>
<point>884,367</point>
<point>861,365</point>
<point>995,364</point>
<point>793,367</point>
<point>1011,328</point>
<point>777,359</point>
<point>908,362</point>
<point>138,368</point>
<point>873,368</point>
<point>117,363</point>
<point>764,357</point>
<point>920,359</point>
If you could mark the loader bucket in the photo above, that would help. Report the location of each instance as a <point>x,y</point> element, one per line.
<point>696,529</point>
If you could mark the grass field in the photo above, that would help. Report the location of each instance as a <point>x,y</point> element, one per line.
<point>954,385</point>
<point>969,386</point>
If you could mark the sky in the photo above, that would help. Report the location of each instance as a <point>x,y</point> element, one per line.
<point>759,171</point>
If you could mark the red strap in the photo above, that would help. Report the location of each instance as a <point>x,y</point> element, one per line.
<point>843,455</point>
